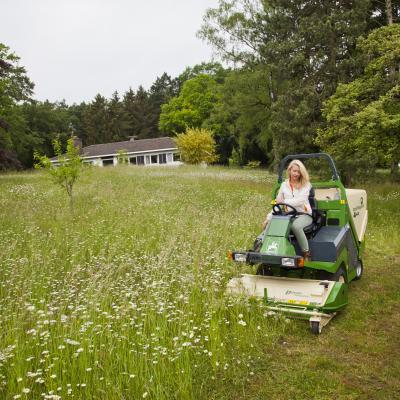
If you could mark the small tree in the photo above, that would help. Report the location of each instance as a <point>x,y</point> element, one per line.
<point>69,166</point>
<point>122,157</point>
<point>196,146</point>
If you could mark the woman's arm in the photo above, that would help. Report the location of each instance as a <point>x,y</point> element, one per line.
<point>279,197</point>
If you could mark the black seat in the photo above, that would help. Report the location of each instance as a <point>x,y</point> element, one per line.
<point>315,214</point>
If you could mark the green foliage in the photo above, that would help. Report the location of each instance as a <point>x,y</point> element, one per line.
<point>15,87</point>
<point>122,157</point>
<point>253,164</point>
<point>192,107</point>
<point>68,168</point>
<point>304,46</point>
<point>196,146</point>
<point>234,160</point>
<point>363,116</point>
<point>240,119</point>
<point>213,69</point>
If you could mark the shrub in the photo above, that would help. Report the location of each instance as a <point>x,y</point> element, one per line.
<point>196,146</point>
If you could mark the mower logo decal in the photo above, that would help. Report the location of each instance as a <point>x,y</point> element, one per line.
<point>272,248</point>
<point>356,210</point>
<point>295,293</point>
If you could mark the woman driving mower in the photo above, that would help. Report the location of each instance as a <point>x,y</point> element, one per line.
<point>294,192</point>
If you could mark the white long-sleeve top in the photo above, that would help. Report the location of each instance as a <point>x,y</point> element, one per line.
<point>297,198</point>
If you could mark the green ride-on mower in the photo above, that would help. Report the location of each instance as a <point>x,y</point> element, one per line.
<point>308,289</point>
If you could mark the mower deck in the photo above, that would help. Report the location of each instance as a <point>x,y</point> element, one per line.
<point>310,299</point>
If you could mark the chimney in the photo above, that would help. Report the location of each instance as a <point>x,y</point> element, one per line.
<point>77,142</point>
<point>132,138</point>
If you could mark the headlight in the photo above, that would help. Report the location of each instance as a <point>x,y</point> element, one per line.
<point>288,262</point>
<point>240,257</point>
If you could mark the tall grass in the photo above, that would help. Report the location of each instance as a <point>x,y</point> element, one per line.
<point>125,299</point>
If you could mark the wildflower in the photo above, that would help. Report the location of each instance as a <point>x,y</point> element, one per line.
<point>72,342</point>
<point>241,322</point>
<point>145,394</point>
<point>26,390</point>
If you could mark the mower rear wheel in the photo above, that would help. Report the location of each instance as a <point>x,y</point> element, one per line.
<point>359,270</point>
<point>315,327</point>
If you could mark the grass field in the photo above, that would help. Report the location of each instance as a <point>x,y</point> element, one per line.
<point>124,297</point>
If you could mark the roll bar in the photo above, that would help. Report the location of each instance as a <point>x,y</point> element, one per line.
<point>335,175</point>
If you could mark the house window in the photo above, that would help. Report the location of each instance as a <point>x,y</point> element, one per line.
<point>154,159</point>
<point>162,158</point>
<point>147,159</point>
<point>177,157</point>
<point>140,160</point>
<point>133,160</point>
<point>107,161</point>
<point>169,158</point>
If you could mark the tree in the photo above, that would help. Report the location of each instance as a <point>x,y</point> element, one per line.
<point>139,113</point>
<point>363,116</point>
<point>161,91</point>
<point>95,121</point>
<point>69,167</point>
<point>196,146</point>
<point>240,120</point>
<point>44,122</point>
<point>307,46</point>
<point>213,69</point>
<point>15,87</point>
<point>192,107</point>
<point>117,119</point>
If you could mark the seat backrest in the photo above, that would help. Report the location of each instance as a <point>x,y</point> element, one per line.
<point>311,199</point>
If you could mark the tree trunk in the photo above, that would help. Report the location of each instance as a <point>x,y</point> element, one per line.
<point>389,12</point>
<point>394,168</point>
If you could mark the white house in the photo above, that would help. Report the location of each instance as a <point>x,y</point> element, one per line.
<point>157,151</point>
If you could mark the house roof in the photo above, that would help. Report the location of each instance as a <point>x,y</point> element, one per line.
<point>130,146</point>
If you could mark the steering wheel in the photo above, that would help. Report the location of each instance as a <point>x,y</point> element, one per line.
<point>278,209</point>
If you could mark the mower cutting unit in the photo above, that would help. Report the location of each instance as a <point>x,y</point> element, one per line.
<point>314,289</point>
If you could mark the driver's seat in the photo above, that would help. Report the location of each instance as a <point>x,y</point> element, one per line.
<point>316,215</point>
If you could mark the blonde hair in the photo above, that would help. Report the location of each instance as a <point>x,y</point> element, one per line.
<point>304,177</point>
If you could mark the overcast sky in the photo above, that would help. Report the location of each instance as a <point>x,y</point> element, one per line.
<point>74,49</point>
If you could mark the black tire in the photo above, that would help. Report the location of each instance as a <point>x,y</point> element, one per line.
<point>264,270</point>
<point>315,327</point>
<point>340,276</point>
<point>359,270</point>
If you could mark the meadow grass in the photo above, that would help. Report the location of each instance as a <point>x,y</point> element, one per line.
<point>125,297</point>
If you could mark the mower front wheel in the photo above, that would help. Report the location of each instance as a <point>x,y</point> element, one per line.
<point>339,276</point>
<point>264,270</point>
<point>314,325</point>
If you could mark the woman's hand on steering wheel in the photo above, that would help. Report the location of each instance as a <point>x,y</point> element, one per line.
<point>279,209</point>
